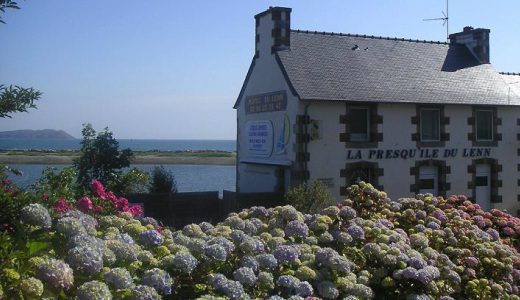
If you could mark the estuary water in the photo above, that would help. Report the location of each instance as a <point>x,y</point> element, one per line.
<point>189,178</point>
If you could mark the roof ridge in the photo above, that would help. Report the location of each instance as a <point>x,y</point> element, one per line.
<point>370,36</point>
<point>509,73</point>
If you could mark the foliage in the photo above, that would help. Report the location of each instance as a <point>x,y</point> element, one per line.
<point>132,181</point>
<point>100,159</point>
<point>309,198</point>
<point>17,99</point>
<point>366,247</point>
<point>7,4</point>
<point>56,183</point>
<point>162,181</point>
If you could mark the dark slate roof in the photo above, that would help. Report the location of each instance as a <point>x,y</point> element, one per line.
<point>330,66</point>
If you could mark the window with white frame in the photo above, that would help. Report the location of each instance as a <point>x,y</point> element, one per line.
<point>359,124</point>
<point>430,124</point>
<point>484,124</point>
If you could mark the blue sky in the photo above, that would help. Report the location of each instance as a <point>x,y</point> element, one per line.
<point>173,69</point>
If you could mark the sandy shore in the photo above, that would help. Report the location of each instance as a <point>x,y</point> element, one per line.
<point>158,159</point>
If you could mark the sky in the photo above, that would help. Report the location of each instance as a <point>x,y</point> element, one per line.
<point>172,69</point>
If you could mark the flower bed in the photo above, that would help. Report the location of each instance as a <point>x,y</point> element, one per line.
<point>366,247</point>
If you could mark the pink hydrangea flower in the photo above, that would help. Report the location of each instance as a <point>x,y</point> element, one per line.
<point>98,209</point>
<point>61,206</point>
<point>135,210</point>
<point>121,203</point>
<point>98,189</point>
<point>111,196</point>
<point>85,204</point>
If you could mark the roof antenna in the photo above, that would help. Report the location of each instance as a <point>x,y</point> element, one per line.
<point>446,20</point>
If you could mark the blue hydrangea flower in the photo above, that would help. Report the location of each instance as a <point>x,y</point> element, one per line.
<point>70,226</point>
<point>215,251</point>
<point>119,278</point>
<point>122,251</point>
<point>296,229</point>
<point>285,253</point>
<point>56,273</point>
<point>185,262</point>
<point>125,238</point>
<point>347,212</point>
<point>428,274</point>
<point>151,237</point>
<point>327,290</point>
<point>356,232</point>
<point>250,262</point>
<point>267,261</point>
<point>288,282</point>
<point>144,292</point>
<point>37,215</point>
<point>86,259</point>
<point>304,289</point>
<point>245,276</point>
<point>158,279</point>
<point>94,290</point>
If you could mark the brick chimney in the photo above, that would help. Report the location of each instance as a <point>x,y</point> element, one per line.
<point>273,31</point>
<point>476,40</point>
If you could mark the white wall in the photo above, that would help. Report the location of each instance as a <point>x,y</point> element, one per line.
<point>328,155</point>
<point>266,77</point>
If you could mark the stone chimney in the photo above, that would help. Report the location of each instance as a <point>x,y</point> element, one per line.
<point>476,40</point>
<point>273,31</point>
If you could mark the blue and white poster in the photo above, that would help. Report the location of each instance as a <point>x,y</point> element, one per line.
<point>259,138</point>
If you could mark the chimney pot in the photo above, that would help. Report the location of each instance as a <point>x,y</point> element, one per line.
<point>467,28</point>
<point>273,30</point>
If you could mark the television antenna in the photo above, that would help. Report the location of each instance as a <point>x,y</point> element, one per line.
<point>445,20</point>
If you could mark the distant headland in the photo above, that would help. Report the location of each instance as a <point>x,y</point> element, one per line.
<point>36,134</point>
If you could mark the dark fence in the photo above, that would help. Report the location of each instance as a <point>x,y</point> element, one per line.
<point>180,209</point>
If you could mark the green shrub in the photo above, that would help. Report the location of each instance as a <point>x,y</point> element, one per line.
<point>162,181</point>
<point>309,198</point>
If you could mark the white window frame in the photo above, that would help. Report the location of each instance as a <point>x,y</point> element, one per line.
<point>359,138</point>
<point>491,124</point>
<point>421,127</point>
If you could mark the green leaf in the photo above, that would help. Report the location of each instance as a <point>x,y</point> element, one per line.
<point>36,246</point>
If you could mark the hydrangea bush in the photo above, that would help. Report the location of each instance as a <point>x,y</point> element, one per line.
<point>366,247</point>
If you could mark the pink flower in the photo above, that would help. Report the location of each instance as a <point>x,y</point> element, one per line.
<point>45,197</point>
<point>159,228</point>
<point>98,188</point>
<point>135,210</point>
<point>85,204</point>
<point>121,203</point>
<point>6,181</point>
<point>98,209</point>
<point>61,206</point>
<point>508,231</point>
<point>110,196</point>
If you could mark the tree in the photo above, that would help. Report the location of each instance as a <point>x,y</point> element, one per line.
<point>15,98</point>
<point>309,198</point>
<point>7,4</point>
<point>100,157</point>
<point>162,181</point>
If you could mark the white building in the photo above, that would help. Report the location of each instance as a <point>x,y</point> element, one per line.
<point>408,116</point>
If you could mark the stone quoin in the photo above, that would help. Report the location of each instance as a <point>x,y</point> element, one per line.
<point>408,116</point>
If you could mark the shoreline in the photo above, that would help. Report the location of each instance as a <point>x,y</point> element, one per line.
<point>145,157</point>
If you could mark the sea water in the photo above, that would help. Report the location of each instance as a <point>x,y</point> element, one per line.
<point>133,144</point>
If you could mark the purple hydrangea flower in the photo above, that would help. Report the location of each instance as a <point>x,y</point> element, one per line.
<point>296,229</point>
<point>119,278</point>
<point>185,262</point>
<point>288,282</point>
<point>347,212</point>
<point>36,214</point>
<point>267,261</point>
<point>356,232</point>
<point>56,273</point>
<point>151,237</point>
<point>94,290</point>
<point>304,289</point>
<point>158,279</point>
<point>245,276</point>
<point>285,253</point>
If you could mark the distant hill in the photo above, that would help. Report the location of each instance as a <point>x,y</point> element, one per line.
<point>36,134</point>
